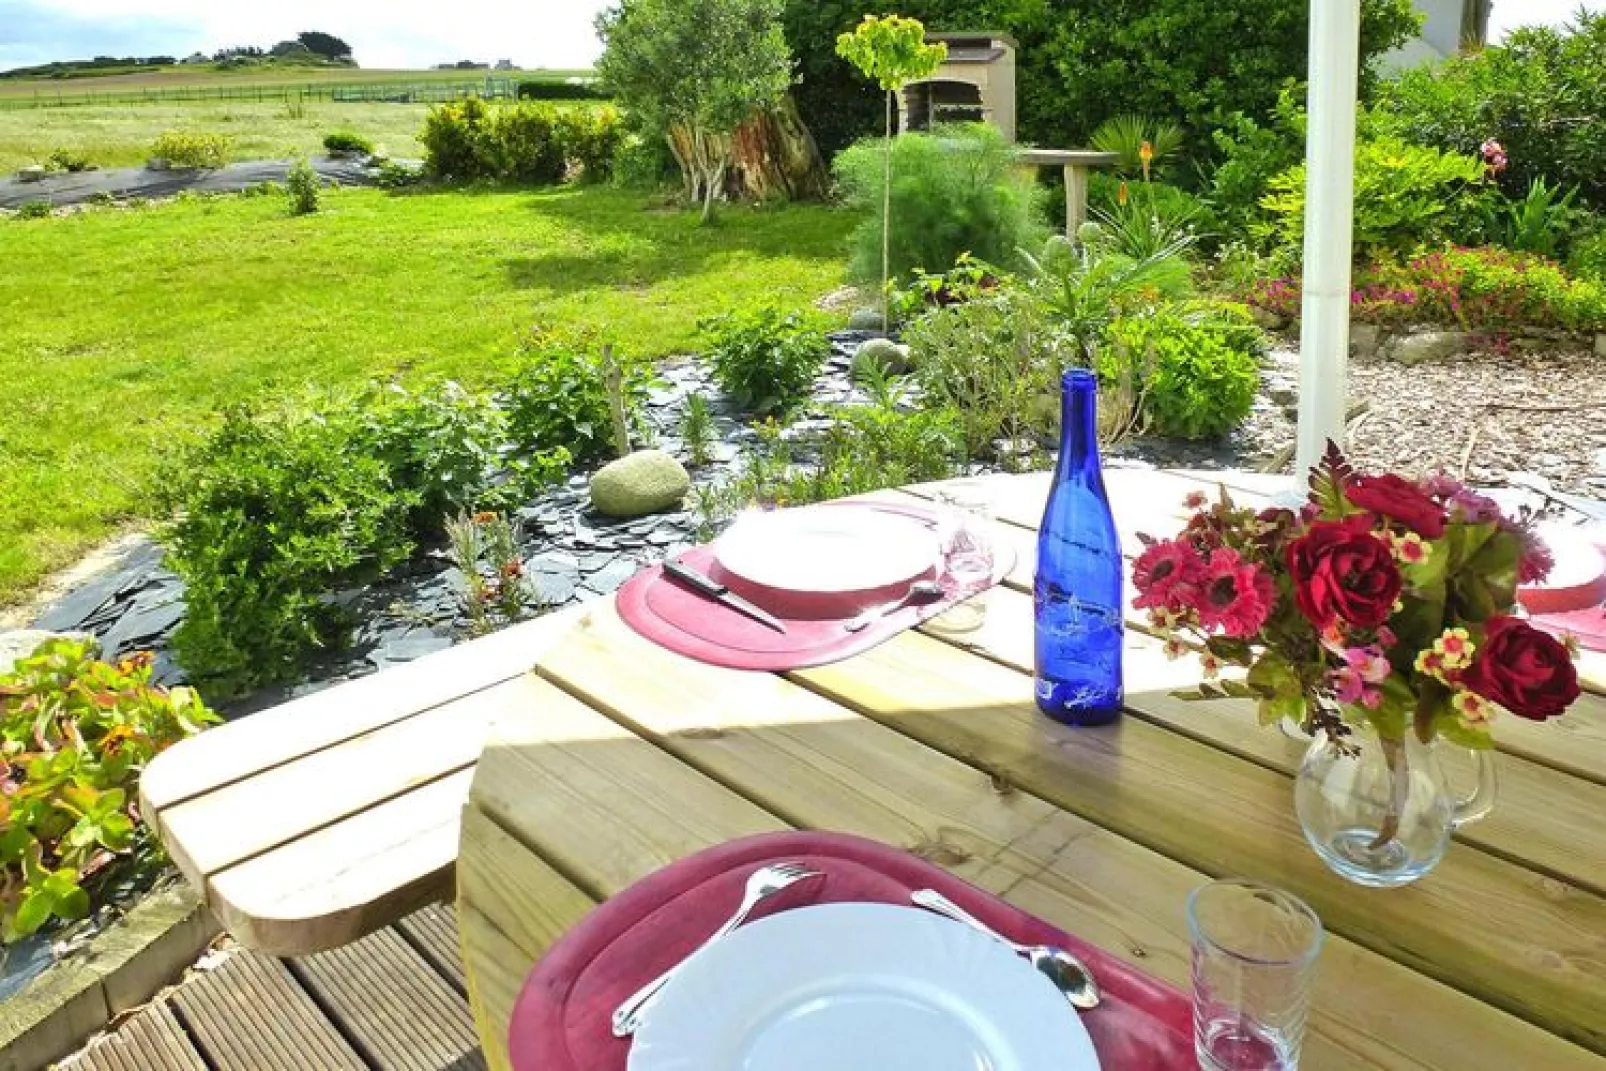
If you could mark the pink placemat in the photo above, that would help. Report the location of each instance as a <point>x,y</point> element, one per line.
<point>686,622</point>
<point>1577,610</point>
<point>561,1019</point>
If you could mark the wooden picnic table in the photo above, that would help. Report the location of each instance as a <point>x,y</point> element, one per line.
<point>326,818</point>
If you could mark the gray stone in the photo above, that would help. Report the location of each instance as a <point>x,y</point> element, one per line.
<point>890,357</point>
<point>1268,320</point>
<point>22,642</point>
<point>552,561</point>
<point>609,579</point>
<point>1428,346</point>
<point>647,481</point>
<point>32,173</point>
<point>555,588</point>
<point>1363,340</point>
<point>865,319</point>
<point>1600,345</point>
<point>415,645</point>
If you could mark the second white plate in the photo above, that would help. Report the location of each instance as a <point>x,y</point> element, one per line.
<point>860,987</point>
<point>828,549</point>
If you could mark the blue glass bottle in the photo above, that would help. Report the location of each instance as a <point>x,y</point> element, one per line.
<point>1079,574</point>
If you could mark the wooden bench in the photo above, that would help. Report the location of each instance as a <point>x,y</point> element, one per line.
<point>311,824</point>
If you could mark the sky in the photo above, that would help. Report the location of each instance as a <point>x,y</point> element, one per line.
<point>384,33</point>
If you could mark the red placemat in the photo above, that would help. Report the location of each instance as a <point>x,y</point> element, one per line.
<point>561,1020</point>
<point>688,623</point>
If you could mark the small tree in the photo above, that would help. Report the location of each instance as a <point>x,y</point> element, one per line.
<point>892,52</point>
<point>693,71</point>
<point>324,44</point>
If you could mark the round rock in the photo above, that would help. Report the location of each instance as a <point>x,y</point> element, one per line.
<point>647,481</point>
<point>891,357</point>
<point>865,319</point>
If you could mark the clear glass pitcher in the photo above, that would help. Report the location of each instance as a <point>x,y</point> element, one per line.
<point>1380,812</point>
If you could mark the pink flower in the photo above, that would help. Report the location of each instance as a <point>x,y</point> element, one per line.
<point>1386,637</point>
<point>1166,575</point>
<point>1235,596</point>
<point>1368,663</point>
<point>1537,560</point>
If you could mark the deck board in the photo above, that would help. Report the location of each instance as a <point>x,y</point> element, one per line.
<point>150,1041</point>
<point>250,1015</point>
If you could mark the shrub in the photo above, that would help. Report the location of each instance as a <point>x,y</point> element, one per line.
<point>1142,219</point>
<point>1481,288</point>
<point>766,360</point>
<point>559,399</point>
<point>1588,257</point>
<point>394,176</point>
<point>33,210</point>
<point>1541,94</point>
<point>1540,222</point>
<point>1197,371</point>
<point>484,548</point>
<point>273,511</point>
<point>955,191</point>
<point>1130,136</point>
<point>870,448</point>
<point>451,136</point>
<point>552,89</point>
<point>520,143</point>
<point>75,735</point>
<point>591,138</point>
<point>994,360</point>
<point>192,150</point>
<point>1252,153</point>
<point>1404,195</point>
<point>347,141</point>
<point>67,160</point>
<point>303,187</point>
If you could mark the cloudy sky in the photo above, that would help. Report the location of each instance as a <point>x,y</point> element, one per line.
<point>385,33</point>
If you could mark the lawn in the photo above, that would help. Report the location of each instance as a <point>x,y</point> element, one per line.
<point>120,135</point>
<point>127,327</point>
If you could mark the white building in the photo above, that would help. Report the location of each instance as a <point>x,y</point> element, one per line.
<point>1447,26</point>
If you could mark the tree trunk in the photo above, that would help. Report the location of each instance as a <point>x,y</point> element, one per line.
<point>886,223</point>
<point>773,156</point>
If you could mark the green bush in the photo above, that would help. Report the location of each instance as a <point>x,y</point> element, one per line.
<point>1080,64</point>
<point>591,138</point>
<point>994,360</point>
<point>192,150</point>
<point>765,359</point>
<point>1197,371</point>
<point>1129,137</point>
<point>75,735</point>
<point>303,188</point>
<point>33,210</point>
<point>394,176</point>
<point>1251,153</point>
<point>272,512</point>
<point>1588,257</point>
<point>559,399</point>
<point>1141,219</point>
<point>524,142</point>
<point>1405,195</point>
<point>954,191</point>
<point>347,141</point>
<point>1541,94</point>
<point>552,89</point>
<point>68,160</point>
<point>1542,221</point>
<point>871,448</point>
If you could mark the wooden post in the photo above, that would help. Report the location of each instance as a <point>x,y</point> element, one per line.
<point>1075,199</point>
<point>614,376</point>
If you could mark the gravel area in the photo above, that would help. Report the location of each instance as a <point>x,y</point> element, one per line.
<point>1490,414</point>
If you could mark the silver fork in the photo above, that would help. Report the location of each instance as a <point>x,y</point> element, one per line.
<point>762,883</point>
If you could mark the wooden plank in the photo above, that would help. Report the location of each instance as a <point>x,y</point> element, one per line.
<point>341,882</point>
<point>493,986</point>
<point>804,758</point>
<point>1543,819</point>
<point>432,931</point>
<point>250,1015</point>
<point>593,773</point>
<point>395,1009</point>
<point>151,1040</point>
<point>288,802</point>
<point>287,732</point>
<point>1219,814</point>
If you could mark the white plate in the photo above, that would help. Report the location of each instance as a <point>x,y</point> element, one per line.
<point>860,987</point>
<point>830,549</point>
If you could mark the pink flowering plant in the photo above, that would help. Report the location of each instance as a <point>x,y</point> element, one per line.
<point>1383,602</point>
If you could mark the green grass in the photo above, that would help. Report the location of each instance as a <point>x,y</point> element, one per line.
<point>126,328</point>
<point>199,76</point>
<point>121,135</point>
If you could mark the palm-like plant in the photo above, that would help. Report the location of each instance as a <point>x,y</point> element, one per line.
<point>1143,146</point>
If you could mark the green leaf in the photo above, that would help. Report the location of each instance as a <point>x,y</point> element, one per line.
<point>1456,731</point>
<point>33,912</point>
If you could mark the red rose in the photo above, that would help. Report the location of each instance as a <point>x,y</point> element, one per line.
<point>1398,500</point>
<point>1341,570</point>
<point>1524,670</point>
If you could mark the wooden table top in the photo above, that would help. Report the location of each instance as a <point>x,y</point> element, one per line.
<point>616,757</point>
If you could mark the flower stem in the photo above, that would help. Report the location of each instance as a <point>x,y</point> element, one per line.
<point>1399,789</point>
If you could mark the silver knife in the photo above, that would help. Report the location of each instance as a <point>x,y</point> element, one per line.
<point>707,585</point>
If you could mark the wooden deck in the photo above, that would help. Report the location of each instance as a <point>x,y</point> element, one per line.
<point>393,1001</point>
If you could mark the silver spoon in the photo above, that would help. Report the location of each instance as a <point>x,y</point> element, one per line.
<point>1069,975</point>
<point>920,593</point>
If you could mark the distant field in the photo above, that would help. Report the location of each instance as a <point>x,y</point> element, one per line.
<point>207,77</point>
<point>121,135</point>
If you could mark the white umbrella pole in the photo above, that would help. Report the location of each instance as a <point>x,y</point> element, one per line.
<point>1335,34</point>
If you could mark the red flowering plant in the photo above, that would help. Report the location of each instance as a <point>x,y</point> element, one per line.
<point>1383,602</point>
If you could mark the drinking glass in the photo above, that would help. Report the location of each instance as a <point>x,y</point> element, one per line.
<point>965,541</point>
<point>1254,956</point>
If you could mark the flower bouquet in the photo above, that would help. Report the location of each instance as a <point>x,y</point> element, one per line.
<point>1381,617</point>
